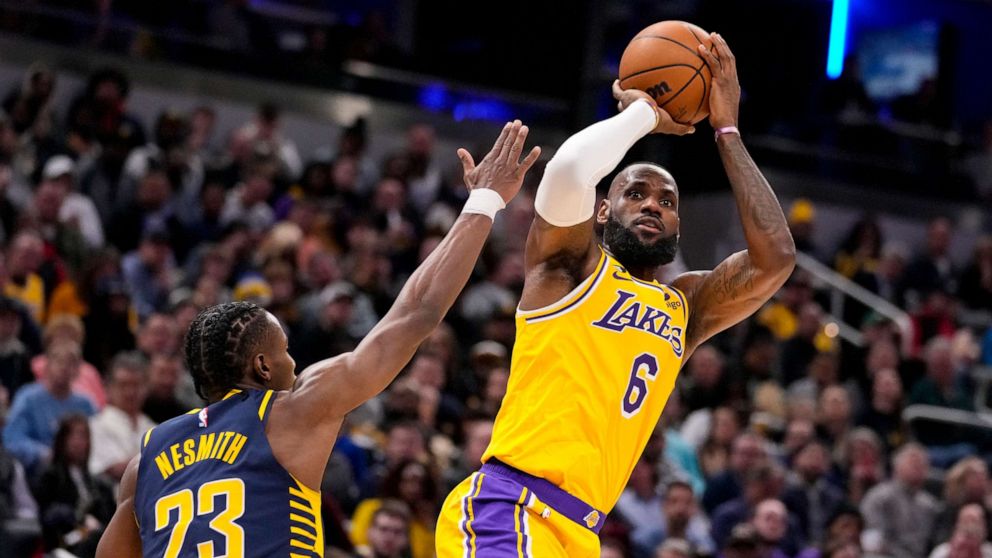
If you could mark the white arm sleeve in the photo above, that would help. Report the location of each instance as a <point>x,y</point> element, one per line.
<point>567,193</point>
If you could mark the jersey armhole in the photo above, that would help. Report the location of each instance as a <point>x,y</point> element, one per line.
<point>571,300</point>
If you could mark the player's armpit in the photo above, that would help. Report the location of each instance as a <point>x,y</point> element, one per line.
<point>718,299</point>
<point>121,538</point>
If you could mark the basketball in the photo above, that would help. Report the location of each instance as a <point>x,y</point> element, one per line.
<point>663,61</point>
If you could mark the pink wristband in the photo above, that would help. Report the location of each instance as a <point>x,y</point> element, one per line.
<point>725,130</point>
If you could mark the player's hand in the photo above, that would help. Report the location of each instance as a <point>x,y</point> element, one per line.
<point>501,169</point>
<point>627,97</point>
<point>725,95</point>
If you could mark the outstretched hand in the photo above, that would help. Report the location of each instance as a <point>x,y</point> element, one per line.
<point>666,125</point>
<point>725,95</point>
<point>501,169</point>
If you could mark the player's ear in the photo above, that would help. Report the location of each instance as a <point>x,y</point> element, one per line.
<point>604,211</point>
<point>261,367</point>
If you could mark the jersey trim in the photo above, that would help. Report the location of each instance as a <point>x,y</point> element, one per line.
<point>572,299</point>
<point>305,522</point>
<point>148,436</point>
<point>265,404</point>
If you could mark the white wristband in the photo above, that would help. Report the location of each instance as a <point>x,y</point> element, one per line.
<point>484,201</point>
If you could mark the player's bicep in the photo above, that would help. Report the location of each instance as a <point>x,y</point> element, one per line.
<point>734,290</point>
<point>335,386</point>
<point>122,538</point>
<point>547,242</point>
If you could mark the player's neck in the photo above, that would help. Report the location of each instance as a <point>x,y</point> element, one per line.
<point>644,273</point>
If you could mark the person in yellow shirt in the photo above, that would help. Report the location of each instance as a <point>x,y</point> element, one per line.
<point>599,340</point>
<point>24,257</point>
<point>411,483</point>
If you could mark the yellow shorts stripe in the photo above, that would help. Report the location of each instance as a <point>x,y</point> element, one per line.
<point>300,519</point>
<point>517,526</point>
<point>471,513</point>
<point>302,533</point>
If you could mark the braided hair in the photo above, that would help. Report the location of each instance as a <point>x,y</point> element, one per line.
<point>220,345</point>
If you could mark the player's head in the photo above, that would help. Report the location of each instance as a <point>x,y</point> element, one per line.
<point>237,342</point>
<point>640,216</point>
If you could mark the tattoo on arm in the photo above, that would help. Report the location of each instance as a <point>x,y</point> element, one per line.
<point>757,201</point>
<point>732,281</point>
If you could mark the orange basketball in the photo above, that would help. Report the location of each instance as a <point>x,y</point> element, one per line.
<point>663,61</point>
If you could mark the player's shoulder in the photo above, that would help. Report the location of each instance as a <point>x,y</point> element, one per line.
<point>689,281</point>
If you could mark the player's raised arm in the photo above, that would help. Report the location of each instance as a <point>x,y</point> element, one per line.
<point>739,285</point>
<point>562,237</point>
<point>338,385</point>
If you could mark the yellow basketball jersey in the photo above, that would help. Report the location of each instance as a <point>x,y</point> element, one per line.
<point>589,378</point>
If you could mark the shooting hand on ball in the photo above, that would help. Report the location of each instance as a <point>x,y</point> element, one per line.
<point>665,124</point>
<point>725,95</point>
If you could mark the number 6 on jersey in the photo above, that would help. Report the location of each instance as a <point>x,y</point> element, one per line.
<point>644,369</point>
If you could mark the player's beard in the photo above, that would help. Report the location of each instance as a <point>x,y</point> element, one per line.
<point>631,251</point>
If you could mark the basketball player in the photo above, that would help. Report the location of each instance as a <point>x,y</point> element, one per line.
<point>599,340</point>
<point>239,477</point>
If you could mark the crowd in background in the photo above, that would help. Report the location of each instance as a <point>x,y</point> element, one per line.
<point>779,441</point>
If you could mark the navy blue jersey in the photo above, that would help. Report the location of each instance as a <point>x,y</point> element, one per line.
<point>208,485</point>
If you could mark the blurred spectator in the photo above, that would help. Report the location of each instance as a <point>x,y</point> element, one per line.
<point>822,371</point>
<point>802,221</point>
<point>723,430</point>
<point>200,141</point>
<point>77,210</point>
<point>744,542</point>
<point>413,484</point>
<point>103,106</point>
<point>703,384</point>
<point>248,202</point>
<point>30,105</point>
<point>168,151</point>
<point>834,415</point>
<point>418,167</point>
<point>748,453</point>
<point>970,536</point>
<point>15,368</point>
<point>966,484</point>
<point>74,506</point>
<point>612,548</point>
<point>388,533</point>
<point>771,521</point>
<point>940,387</point>
<point>24,257</point>
<point>353,143</point>
<point>932,269</point>
<point>883,412</point>
<point>499,291</point>
<point>327,334</point>
<point>899,510</point>
<point>799,350</point>
<point>890,276</point>
<point>38,406</point>
<point>975,287</point>
<point>641,507</point>
<point>118,428</point>
<point>680,518</point>
<point>110,314</point>
<point>89,382</point>
<point>161,402</point>
<point>934,317</point>
<point>8,211</point>
<point>761,483</point>
<point>859,252</point>
<point>19,528</point>
<point>844,527</point>
<point>150,272</point>
<point>808,495</point>
<point>263,137</point>
<point>674,548</point>
<point>152,210</point>
<point>478,432</point>
<point>860,464</point>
